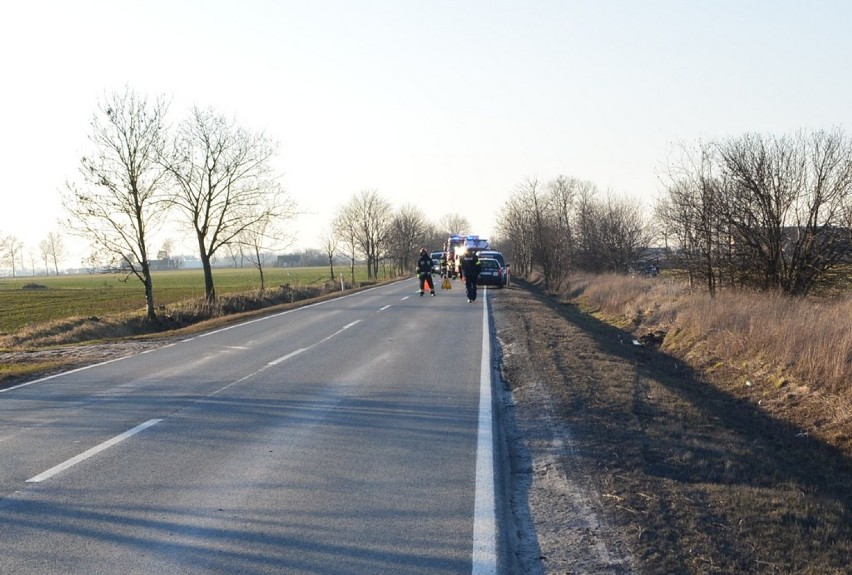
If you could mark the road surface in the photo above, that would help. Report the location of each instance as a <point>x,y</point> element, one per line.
<point>351,436</point>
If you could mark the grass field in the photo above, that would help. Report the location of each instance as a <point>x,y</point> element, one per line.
<point>30,300</point>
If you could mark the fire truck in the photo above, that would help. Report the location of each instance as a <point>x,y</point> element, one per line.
<point>457,245</point>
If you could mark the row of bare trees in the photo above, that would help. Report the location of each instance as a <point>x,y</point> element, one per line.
<point>368,228</point>
<point>565,224</point>
<point>774,213</point>
<point>13,252</point>
<point>212,174</point>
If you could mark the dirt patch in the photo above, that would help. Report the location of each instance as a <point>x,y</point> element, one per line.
<point>640,464</point>
<point>34,363</point>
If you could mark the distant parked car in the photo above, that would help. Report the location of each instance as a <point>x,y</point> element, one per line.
<point>499,257</point>
<point>491,273</point>
<point>436,262</point>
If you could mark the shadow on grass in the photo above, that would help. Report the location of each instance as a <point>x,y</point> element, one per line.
<point>700,480</point>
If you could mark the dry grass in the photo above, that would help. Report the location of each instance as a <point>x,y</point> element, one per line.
<point>809,340</point>
<point>766,347</point>
<point>698,472</point>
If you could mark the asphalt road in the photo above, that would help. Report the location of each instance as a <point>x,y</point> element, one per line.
<point>337,438</point>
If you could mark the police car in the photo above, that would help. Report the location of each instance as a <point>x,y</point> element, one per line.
<point>491,273</point>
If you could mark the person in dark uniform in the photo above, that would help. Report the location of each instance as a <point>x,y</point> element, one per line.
<point>470,270</point>
<point>424,271</point>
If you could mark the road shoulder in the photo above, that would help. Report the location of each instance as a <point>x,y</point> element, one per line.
<point>556,509</point>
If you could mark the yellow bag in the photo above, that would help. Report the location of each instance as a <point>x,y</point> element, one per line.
<point>446,284</point>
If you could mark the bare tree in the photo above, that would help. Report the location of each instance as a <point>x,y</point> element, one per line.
<point>259,239</point>
<point>345,229</point>
<point>233,252</point>
<point>166,249</point>
<point>454,224</point>
<point>538,225</point>
<point>785,200</point>
<point>329,240</point>
<point>691,214</point>
<point>224,183</point>
<point>514,222</point>
<point>764,183</point>
<point>409,230</point>
<point>32,256</point>
<point>552,215</point>
<point>117,203</point>
<point>555,227</point>
<point>612,233</point>
<point>545,243</point>
<point>738,208</point>
<point>12,251</point>
<point>846,223</point>
<point>52,250</point>
<point>44,249</point>
<point>97,259</point>
<point>366,223</point>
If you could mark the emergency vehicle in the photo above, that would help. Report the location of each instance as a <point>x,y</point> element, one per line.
<point>456,245</point>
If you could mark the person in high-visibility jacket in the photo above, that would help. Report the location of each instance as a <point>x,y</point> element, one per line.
<point>424,271</point>
<point>470,266</point>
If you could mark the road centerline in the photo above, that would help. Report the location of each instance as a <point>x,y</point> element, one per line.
<point>93,451</point>
<point>289,355</point>
<point>313,345</point>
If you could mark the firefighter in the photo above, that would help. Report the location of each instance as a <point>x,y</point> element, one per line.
<point>424,271</point>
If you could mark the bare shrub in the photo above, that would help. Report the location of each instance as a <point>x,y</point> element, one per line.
<point>76,330</point>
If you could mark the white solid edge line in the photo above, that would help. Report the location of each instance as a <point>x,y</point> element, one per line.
<point>87,454</point>
<point>56,375</point>
<point>484,513</point>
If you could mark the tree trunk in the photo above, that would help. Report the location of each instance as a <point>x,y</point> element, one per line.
<point>209,289</point>
<point>149,293</point>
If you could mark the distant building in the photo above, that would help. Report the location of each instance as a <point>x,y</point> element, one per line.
<point>190,262</point>
<point>166,264</point>
<point>289,261</point>
<point>176,263</point>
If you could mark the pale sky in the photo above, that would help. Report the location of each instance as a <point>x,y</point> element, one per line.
<point>444,104</point>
